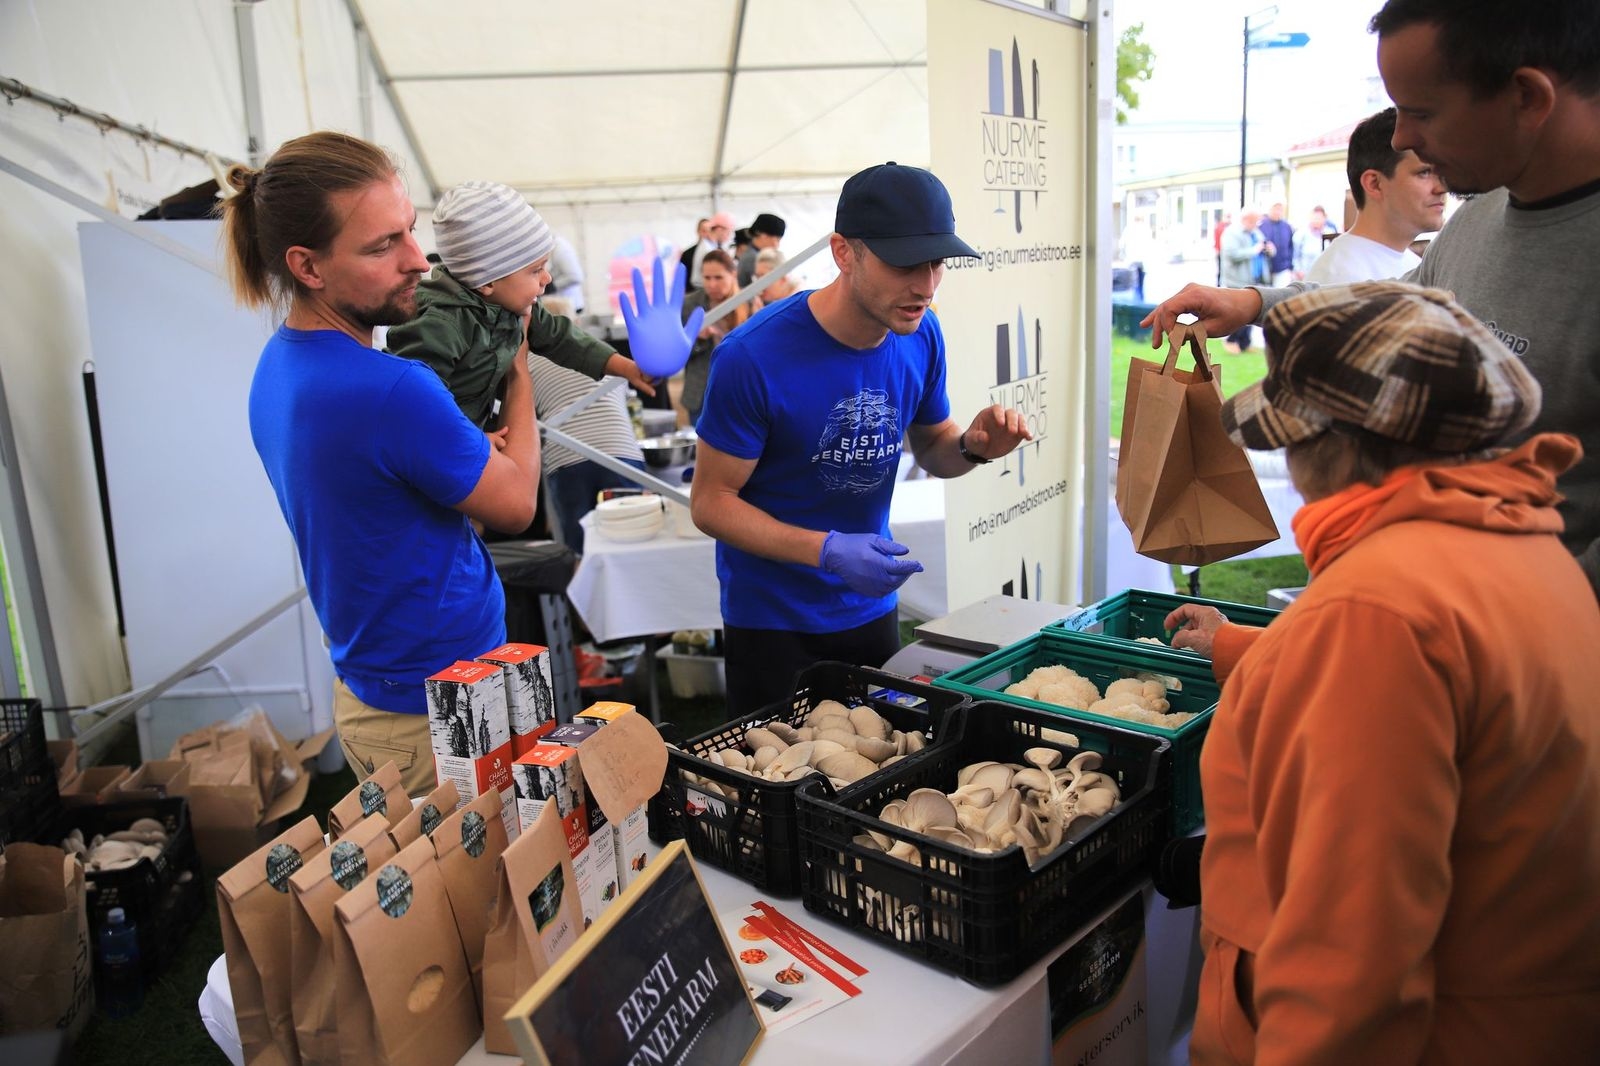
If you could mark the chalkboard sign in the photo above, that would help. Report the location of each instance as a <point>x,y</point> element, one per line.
<point>653,983</point>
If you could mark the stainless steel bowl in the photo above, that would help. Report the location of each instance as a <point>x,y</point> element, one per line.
<point>667,451</point>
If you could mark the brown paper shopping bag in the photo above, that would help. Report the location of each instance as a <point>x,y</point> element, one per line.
<point>468,845</point>
<point>1185,491</point>
<point>382,793</point>
<point>314,889</point>
<point>45,980</point>
<point>537,917</point>
<point>253,905</point>
<point>404,994</point>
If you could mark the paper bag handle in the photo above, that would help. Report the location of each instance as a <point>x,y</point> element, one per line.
<point>1195,335</point>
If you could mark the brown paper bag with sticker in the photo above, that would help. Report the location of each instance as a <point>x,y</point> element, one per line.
<point>313,891</point>
<point>426,816</point>
<point>253,905</point>
<point>382,793</point>
<point>468,845</point>
<point>1185,491</point>
<point>537,917</point>
<point>404,995</point>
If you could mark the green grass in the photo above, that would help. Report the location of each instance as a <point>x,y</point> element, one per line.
<point>1236,371</point>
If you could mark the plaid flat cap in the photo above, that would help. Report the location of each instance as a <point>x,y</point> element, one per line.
<point>1397,360</point>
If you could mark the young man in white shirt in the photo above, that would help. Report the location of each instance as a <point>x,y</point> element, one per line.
<point>1398,195</point>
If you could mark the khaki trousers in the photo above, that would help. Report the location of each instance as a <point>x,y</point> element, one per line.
<point>371,737</point>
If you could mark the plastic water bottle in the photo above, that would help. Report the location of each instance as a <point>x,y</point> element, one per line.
<point>121,976</point>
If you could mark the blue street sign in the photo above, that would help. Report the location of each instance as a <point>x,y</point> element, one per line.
<point>1280,40</point>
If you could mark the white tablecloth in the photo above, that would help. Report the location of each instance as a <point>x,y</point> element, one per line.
<point>670,582</point>
<point>908,1012</point>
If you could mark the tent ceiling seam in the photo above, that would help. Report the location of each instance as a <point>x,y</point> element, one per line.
<point>730,74</point>
<point>642,72</point>
<point>358,22</point>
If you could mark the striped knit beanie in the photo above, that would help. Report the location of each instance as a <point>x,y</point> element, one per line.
<point>486,231</point>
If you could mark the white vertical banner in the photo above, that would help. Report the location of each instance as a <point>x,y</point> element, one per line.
<point>1006,105</point>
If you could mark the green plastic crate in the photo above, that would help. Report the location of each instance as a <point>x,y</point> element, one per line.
<point>1121,619</point>
<point>1103,663</point>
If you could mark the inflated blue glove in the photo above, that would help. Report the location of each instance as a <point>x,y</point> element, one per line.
<point>868,563</point>
<point>659,338</point>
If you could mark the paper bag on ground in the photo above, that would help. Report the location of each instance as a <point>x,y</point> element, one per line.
<point>404,995</point>
<point>231,819</point>
<point>1185,491</point>
<point>426,816</point>
<point>45,981</point>
<point>253,905</point>
<point>314,889</point>
<point>468,846</point>
<point>536,919</point>
<point>95,786</point>
<point>382,793</point>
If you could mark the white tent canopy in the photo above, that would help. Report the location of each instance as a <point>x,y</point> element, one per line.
<point>621,121</point>
<point>588,102</point>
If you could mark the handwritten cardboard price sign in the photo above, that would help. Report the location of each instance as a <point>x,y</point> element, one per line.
<point>654,983</point>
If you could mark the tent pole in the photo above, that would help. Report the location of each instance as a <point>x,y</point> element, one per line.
<point>148,234</point>
<point>1100,102</point>
<point>727,100</point>
<point>14,90</point>
<point>244,24</point>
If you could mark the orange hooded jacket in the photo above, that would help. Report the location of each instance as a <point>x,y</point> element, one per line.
<point>1402,789</point>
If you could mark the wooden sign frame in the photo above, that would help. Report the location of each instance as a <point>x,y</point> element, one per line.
<point>654,981</point>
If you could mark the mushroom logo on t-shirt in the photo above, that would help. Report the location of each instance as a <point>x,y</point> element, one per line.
<point>859,447</point>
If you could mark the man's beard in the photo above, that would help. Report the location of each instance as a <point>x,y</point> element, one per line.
<point>401,306</point>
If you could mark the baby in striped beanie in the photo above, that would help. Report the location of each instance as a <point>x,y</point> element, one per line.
<point>479,308</point>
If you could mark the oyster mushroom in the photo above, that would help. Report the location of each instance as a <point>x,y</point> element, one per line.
<point>1043,758</point>
<point>765,756</point>
<point>784,732</point>
<point>846,765</point>
<point>915,742</point>
<point>926,808</point>
<point>874,749</point>
<point>869,723</point>
<point>758,738</point>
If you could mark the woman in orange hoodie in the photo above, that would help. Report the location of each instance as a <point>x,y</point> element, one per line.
<point>1402,781</point>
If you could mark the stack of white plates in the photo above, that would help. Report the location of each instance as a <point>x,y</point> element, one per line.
<point>630,518</point>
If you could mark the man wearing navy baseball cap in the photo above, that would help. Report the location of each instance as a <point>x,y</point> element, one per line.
<point>808,409</point>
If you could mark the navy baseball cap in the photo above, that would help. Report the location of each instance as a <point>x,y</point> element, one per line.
<point>902,213</point>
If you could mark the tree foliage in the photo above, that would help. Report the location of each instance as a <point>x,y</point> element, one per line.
<point>1135,61</point>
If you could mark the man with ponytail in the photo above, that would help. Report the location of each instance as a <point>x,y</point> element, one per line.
<point>375,467</point>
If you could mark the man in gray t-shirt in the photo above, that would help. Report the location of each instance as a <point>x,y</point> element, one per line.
<point>1519,132</point>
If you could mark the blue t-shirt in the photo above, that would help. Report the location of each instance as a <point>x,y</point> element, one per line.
<point>825,424</point>
<point>368,453</point>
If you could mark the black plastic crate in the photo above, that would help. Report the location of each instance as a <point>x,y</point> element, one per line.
<point>30,802</point>
<point>986,918</point>
<point>753,834</point>
<point>154,893</point>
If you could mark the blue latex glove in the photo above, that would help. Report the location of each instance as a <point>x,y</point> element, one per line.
<point>659,338</point>
<point>868,563</point>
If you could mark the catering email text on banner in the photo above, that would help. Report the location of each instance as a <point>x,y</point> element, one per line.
<point>1006,91</point>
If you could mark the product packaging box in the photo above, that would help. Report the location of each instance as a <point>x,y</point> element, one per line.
<point>530,691</point>
<point>629,833</point>
<point>603,713</point>
<point>551,773</point>
<point>470,729</point>
<point>571,734</point>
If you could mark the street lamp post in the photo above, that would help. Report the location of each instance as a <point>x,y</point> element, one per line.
<point>1255,38</point>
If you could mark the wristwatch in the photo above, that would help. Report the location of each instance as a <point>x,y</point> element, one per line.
<point>971,457</point>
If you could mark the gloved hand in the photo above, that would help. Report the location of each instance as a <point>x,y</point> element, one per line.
<point>657,334</point>
<point>868,563</point>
